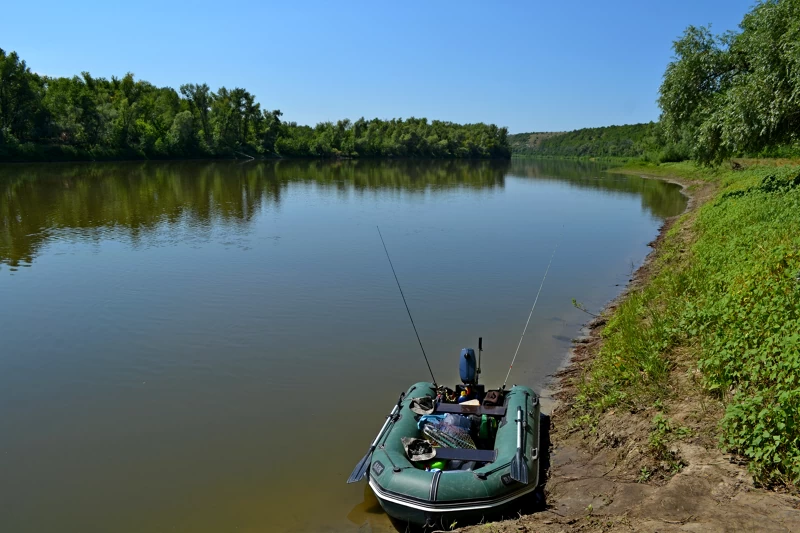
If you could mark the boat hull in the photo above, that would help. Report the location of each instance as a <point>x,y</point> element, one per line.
<point>415,496</point>
<point>439,518</point>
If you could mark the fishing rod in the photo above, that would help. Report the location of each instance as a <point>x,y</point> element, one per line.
<point>531,313</point>
<point>406,304</point>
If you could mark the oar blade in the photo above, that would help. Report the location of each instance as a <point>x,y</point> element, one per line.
<point>361,468</point>
<point>519,469</point>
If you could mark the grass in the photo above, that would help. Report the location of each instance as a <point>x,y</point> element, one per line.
<point>726,289</point>
<point>663,434</point>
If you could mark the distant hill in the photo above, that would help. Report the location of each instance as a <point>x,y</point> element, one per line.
<point>521,142</point>
<point>633,140</point>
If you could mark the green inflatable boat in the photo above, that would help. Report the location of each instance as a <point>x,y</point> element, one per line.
<point>460,455</point>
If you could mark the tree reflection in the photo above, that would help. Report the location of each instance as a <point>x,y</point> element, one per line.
<point>658,197</point>
<point>38,201</point>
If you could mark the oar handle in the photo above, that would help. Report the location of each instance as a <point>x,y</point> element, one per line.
<point>520,427</point>
<point>385,424</point>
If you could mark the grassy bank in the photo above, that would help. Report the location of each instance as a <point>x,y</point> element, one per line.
<point>724,294</point>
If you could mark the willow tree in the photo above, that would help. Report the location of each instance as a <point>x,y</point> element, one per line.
<point>738,92</point>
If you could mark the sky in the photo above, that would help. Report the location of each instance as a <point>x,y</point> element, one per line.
<point>533,65</point>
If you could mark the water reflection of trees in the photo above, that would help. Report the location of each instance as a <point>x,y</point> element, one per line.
<point>37,201</point>
<point>658,197</point>
<point>135,199</point>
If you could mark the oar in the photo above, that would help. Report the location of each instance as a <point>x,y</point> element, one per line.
<point>519,468</point>
<point>361,467</point>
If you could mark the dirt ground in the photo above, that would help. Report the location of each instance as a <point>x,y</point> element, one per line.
<point>608,479</point>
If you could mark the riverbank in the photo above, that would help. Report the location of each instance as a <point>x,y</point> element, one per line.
<point>680,364</point>
<point>608,160</point>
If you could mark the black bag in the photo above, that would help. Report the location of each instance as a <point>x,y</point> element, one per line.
<point>418,449</point>
<point>493,398</point>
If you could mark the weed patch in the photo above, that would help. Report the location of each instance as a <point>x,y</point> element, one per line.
<point>726,287</point>
<point>664,433</point>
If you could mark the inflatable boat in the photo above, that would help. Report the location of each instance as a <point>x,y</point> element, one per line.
<point>460,455</point>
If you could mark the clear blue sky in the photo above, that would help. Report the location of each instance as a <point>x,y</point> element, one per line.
<point>530,65</point>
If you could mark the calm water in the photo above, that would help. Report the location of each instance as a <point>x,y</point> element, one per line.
<point>210,347</point>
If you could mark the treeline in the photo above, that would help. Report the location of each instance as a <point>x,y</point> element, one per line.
<point>83,117</point>
<point>635,140</point>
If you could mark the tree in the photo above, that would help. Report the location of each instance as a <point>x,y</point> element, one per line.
<point>199,97</point>
<point>739,92</point>
<point>224,120</point>
<point>18,97</point>
<point>182,138</point>
<point>270,130</point>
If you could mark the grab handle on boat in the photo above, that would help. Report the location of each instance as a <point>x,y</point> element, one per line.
<point>519,469</point>
<point>361,467</point>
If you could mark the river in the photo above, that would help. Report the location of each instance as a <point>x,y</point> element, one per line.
<point>211,346</point>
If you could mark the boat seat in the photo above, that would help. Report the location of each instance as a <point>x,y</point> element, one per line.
<point>461,409</point>
<point>466,454</point>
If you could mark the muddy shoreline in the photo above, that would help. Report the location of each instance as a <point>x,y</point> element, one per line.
<point>557,390</point>
<point>562,387</point>
<point>596,480</point>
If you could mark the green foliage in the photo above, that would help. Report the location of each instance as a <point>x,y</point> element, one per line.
<point>20,97</point>
<point>746,316</point>
<point>734,296</point>
<point>738,93</point>
<point>632,141</point>
<point>43,118</point>
<point>182,137</point>
<point>632,367</point>
<point>665,432</point>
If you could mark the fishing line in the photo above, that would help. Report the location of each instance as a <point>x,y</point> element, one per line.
<point>531,313</point>
<point>407,309</point>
